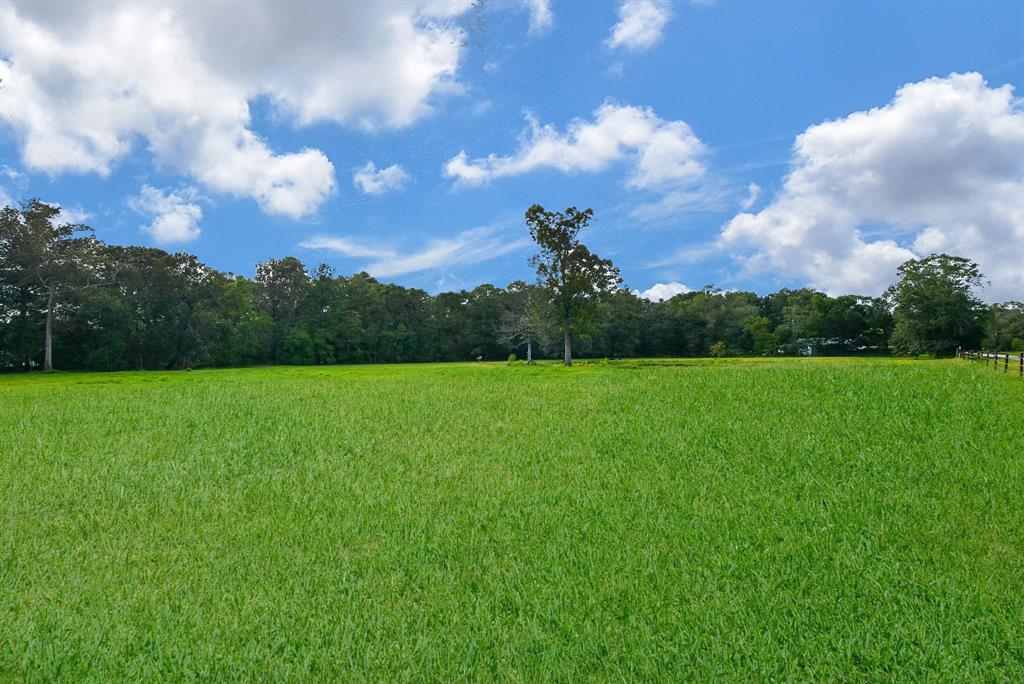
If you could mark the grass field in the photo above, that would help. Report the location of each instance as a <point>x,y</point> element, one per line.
<point>796,519</point>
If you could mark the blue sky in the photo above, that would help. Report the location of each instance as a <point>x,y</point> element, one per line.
<point>236,133</point>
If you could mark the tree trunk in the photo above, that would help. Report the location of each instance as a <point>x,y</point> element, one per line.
<point>26,350</point>
<point>568,349</point>
<point>529,352</point>
<point>48,342</point>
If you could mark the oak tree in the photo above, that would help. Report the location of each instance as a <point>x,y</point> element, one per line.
<point>573,276</point>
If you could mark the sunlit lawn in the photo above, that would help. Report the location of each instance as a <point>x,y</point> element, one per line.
<point>759,519</point>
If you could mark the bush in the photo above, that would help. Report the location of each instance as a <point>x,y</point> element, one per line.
<point>511,358</point>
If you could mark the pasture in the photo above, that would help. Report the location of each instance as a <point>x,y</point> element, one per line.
<point>734,519</point>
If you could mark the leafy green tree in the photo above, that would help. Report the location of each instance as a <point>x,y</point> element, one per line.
<point>802,314</point>
<point>296,348</point>
<point>657,329</point>
<point>282,289</point>
<point>620,324</point>
<point>573,276</point>
<point>20,312</point>
<point>760,330</point>
<point>935,307</point>
<point>709,315</point>
<point>484,306</point>
<point>161,310</point>
<point>40,256</point>
<point>174,308</point>
<point>718,349</point>
<point>1005,328</point>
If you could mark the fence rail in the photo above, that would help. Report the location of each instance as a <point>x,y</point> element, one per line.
<point>1002,362</point>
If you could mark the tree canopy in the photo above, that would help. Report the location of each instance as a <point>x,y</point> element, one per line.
<point>574,277</point>
<point>127,307</point>
<point>935,306</point>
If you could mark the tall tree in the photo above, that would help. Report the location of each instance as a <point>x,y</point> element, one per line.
<point>935,307</point>
<point>41,256</point>
<point>573,276</point>
<point>282,288</point>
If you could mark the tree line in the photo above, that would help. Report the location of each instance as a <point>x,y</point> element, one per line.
<point>70,301</point>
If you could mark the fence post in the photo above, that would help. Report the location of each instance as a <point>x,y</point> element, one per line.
<point>1006,363</point>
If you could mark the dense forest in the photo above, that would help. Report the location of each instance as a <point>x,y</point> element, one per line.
<point>111,307</point>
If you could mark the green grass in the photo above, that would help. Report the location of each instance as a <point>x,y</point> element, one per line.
<point>803,519</point>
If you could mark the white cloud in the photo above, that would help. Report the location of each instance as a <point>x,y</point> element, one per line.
<point>753,194</point>
<point>370,180</point>
<point>175,215</point>
<point>707,196</point>
<point>664,153</point>
<point>468,247</point>
<point>75,214</point>
<point>940,168</point>
<point>541,18</point>
<point>19,182</point>
<point>690,254</point>
<point>86,83</point>
<point>641,24</point>
<point>662,291</point>
<point>347,247</point>
<point>16,180</point>
<point>13,175</point>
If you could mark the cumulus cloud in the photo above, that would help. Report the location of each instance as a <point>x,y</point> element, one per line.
<point>662,291</point>
<point>86,83</point>
<point>175,215</point>
<point>468,247</point>
<point>939,168</point>
<point>370,180</point>
<point>641,24</point>
<point>664,153</point>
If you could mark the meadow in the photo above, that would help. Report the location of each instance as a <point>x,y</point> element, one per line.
<point>850,520</point>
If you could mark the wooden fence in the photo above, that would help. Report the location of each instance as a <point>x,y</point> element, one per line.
<point>1003,362</point>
